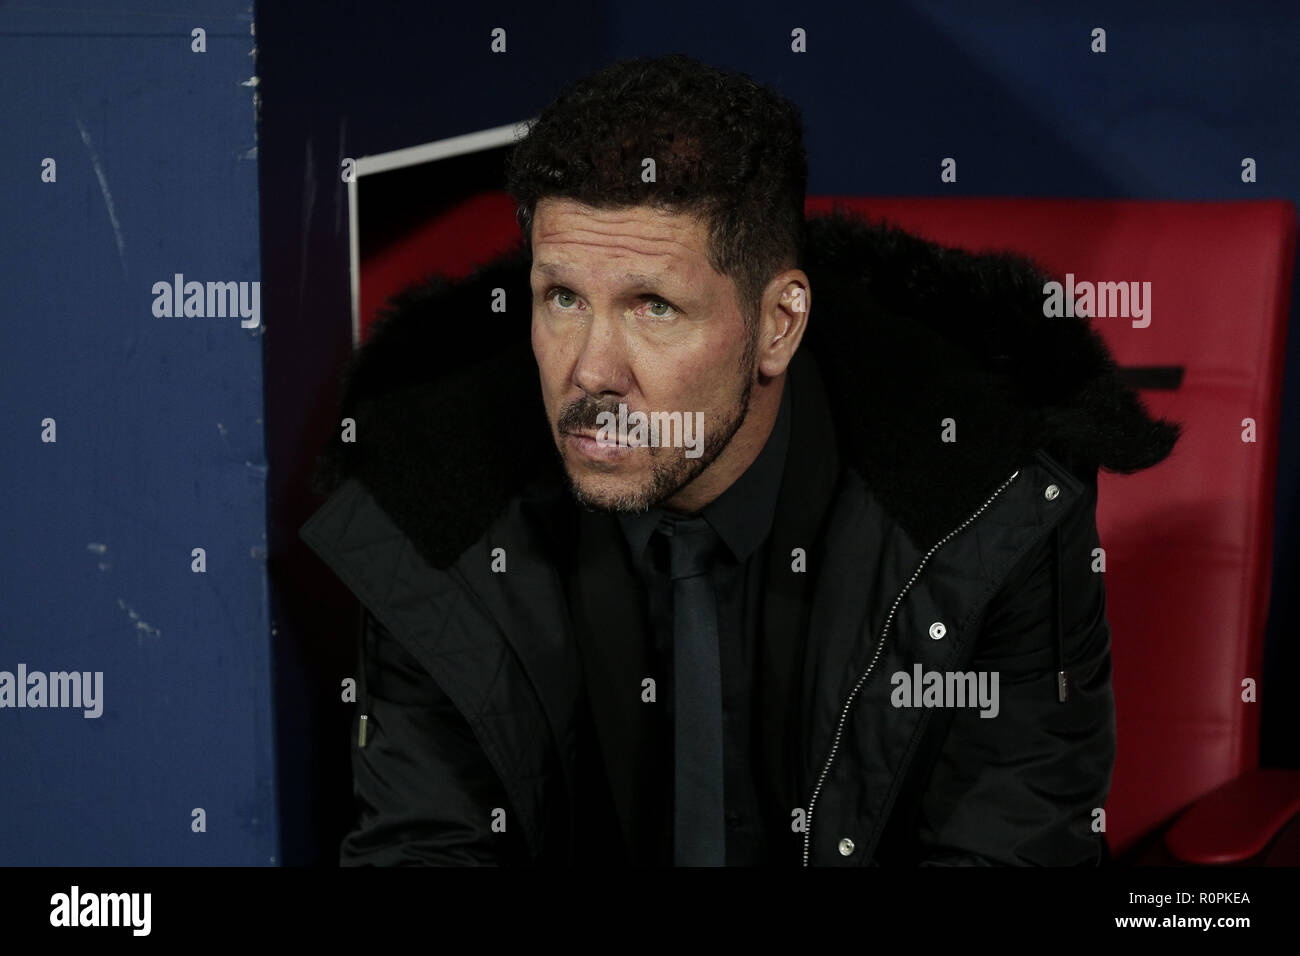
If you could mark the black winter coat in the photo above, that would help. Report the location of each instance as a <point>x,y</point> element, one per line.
<point>920,555</point>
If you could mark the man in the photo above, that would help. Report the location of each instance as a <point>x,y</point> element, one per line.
<point>856,624</point>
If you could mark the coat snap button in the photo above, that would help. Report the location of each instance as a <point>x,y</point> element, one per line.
<point>1050,492</point>
<point>937,630</point>
<point>846,846</point>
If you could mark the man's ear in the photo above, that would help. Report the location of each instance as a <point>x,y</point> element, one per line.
<point>787,302</point>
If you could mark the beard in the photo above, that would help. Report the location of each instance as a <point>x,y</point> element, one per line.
<point>670,469</point>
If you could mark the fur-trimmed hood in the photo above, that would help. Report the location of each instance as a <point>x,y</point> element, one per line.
<point>905,333</point>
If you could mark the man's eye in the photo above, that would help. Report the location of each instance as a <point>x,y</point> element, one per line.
<point>569,298</point>
<point>667,309</point>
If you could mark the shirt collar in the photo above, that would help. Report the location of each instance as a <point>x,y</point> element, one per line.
<point>743,514</point>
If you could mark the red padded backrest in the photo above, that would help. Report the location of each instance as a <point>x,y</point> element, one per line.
<point>1189,542</point>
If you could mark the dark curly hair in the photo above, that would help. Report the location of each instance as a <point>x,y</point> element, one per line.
<point>725,148</point>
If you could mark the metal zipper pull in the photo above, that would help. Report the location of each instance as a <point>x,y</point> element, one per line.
<point>1062,687</point>
<point>361,734</point>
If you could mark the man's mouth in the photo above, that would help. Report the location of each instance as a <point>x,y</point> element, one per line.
<point>589,446</point>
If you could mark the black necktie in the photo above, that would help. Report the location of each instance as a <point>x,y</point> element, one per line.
<point>699,837</point>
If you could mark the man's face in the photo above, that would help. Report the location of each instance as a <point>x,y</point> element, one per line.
<point>627,310</point>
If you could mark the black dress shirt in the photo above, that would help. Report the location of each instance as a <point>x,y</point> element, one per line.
<point>742,516</point>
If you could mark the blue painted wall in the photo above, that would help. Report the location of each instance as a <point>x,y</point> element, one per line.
<point>159,439</point>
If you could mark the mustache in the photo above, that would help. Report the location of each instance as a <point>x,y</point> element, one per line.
<point>582,415</point>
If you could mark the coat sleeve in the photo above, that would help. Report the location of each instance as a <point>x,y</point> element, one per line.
<point>424,789</point>
<point>1023,788</point>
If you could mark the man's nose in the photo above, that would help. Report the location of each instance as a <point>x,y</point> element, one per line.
<point>602,364</point>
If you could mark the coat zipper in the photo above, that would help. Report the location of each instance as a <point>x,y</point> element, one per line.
<point>844,712</point>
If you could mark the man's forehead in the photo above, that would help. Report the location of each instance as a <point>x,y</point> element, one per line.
<point>645,230</point>
<point>559,271</point>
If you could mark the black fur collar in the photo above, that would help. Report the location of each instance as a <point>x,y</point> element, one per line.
<point>905,333</point>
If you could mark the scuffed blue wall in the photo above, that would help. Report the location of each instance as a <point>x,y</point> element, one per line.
<point>159,438</point>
